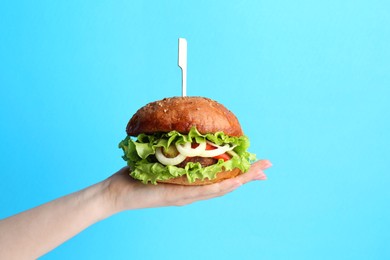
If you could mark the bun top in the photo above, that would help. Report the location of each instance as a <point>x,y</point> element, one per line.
<point>181,114</point>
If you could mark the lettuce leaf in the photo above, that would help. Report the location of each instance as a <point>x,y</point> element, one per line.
<point>139,154</point>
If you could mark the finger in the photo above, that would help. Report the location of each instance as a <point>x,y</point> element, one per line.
<point>211,191</point>
<point>221,188</point>
<point>218,189</point>
<point>263,164</point>
<point>226,187</point>
<point>255,172</point>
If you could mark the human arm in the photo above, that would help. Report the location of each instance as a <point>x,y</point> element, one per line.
<point>35,232</point>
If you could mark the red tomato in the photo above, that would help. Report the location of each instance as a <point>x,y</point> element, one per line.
<point>194,144</point>
<point>223,156</point>
<point>210,147</point>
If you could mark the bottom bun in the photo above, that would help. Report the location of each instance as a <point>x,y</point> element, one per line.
<point>182,180</point>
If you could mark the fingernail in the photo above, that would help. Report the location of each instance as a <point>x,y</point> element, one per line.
<point>261,176</point>
<point>267,164</point>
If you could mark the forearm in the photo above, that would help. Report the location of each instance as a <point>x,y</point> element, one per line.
<point>35,232</point>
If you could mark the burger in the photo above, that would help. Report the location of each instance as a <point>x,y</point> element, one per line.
<point>185,141</point>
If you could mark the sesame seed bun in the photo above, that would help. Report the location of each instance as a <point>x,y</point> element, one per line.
<point>182,113</point>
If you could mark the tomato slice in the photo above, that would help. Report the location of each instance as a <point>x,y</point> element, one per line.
<point>210,147</point>
<point>223,156</point>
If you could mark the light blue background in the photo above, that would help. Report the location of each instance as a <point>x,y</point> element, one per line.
<point>309,81</point>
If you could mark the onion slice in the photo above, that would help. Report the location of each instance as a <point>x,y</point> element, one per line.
<point>169,161</point>
<point>218,151</point>
<point>232,153</point>
<point>200,150</point>
<point>218,146</point>
<point>215,152</point>
<point>187,150</point>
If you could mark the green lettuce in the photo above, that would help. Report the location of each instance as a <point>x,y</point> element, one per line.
<point>139,154</point>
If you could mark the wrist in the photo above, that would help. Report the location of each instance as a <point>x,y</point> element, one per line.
<point>116,192</point>
<point>107,200</point>
<point>97,202</point>
<point>121,193</point>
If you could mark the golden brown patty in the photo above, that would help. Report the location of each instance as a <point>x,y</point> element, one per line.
<point>204,161</point>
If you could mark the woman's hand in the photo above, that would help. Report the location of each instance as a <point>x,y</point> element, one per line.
<point>58,220</point>
<point>127,193</point>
